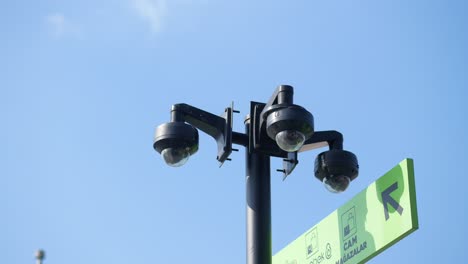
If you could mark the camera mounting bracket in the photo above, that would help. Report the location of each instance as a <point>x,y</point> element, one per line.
<point>218,127</point>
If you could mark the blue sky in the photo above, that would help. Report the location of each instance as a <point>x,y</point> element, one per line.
<point>84,84</point>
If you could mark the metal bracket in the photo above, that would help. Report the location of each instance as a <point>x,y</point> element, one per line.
<point>219,127</point>
<point>289,164</point>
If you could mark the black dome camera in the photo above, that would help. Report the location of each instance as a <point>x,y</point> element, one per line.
<point>336,169</point>
<point>176,141</point>
<point>290,126</point>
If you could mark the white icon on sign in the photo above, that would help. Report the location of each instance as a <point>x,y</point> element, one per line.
<point>312,245</point>
<point>348,222</point>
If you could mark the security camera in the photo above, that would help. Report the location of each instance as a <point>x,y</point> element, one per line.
<point>290,126</point>
<point>176,142</point>
<point>336,169</point>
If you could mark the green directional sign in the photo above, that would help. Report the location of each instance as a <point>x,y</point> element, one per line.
<point>376,218</point>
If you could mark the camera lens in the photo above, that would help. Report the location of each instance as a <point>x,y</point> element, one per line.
<point>336,183</point>
<point>175,157</point>
<point>290,140</point>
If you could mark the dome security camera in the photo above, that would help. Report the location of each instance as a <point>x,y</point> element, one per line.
<point>336,169</point>
<point>290,126</point>
<point>176,142</point>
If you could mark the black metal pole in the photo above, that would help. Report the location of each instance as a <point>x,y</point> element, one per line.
<point>258,206</point>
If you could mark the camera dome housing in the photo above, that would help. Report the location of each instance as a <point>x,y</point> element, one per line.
<point>290,126</point>
<point>336,169</point>
<point>176,141</point>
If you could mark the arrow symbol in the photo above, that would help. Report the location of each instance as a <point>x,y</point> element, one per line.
<point>387,199</point>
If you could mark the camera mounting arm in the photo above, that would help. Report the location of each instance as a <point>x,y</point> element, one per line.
<point>319,139</point>
<point>218,127</point>
<point>331,138</point>
<point>282,95</point>
<point>281,98</point>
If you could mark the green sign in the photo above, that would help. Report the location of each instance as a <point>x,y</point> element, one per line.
<point>376,218</point>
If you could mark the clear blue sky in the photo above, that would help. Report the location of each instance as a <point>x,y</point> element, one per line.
<point>84,84</point>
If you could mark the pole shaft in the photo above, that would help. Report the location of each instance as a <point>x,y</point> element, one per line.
<point>40,255</point>
<point>258,207</point>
